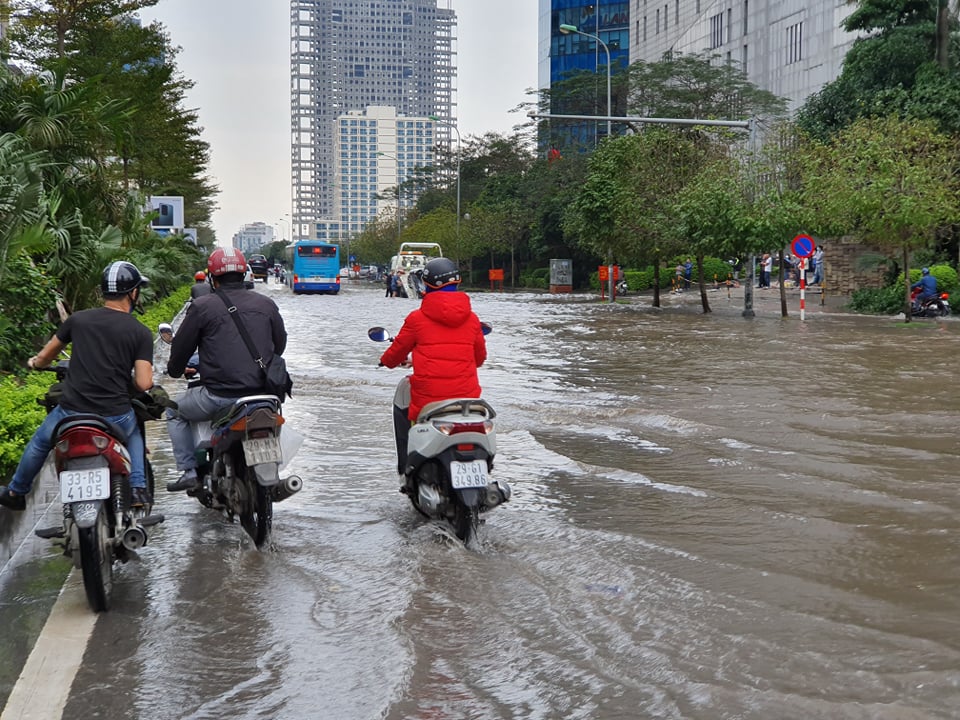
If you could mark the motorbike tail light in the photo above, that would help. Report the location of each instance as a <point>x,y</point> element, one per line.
<point>465,446</point>
<point>944,296</point>
<point>451,428</point>
<point>241,424</point>
<point>100,442</point>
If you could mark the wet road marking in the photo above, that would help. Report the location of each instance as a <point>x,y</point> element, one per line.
<point>43,687</point>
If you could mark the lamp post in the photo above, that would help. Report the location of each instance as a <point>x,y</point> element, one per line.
<point>282,229</point>
<point>566,29</point>
<point>397,175</point>
<point>457,131</point>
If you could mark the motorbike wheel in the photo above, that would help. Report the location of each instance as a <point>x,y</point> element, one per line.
<point>259,522</point>
<point>466,521</point>
<point>96,562</point>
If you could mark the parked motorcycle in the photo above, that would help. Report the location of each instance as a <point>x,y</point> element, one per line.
<point>936,306</point>
<point>239,459</point>
<point>99,526</point>
<point>450,456</point>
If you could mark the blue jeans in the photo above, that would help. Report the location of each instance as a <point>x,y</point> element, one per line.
<point>36,451</point>
<point>196,404</point>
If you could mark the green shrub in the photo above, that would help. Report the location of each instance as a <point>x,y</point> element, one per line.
<point>878,301</point>
<point>19,415</point>
<point>27,297</point>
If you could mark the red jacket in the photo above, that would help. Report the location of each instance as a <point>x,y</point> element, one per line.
<point>447,343</point>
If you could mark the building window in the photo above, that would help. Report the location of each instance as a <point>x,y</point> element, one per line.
<point>658,22</point>
<point>666,14</point>
<point>676,12</point>
<point>716,31</point>
<point>644,28</point>
<point>743,60</point>
<point>746,10</point>
<point>795,43</point>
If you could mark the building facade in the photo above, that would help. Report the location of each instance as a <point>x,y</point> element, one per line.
<point>253,236</point>
<point>564,53</point>
<point>790,47</point>
<point>375,151</point>
<point>347,56</point>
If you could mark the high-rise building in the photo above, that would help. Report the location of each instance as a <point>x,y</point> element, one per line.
<point>791,49</point>
<point>375,151</point>
<point>350,55</point>
<point>561,54</point>
<point>253,236</point>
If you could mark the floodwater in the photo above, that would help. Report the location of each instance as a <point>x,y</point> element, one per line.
<point>713,517</point>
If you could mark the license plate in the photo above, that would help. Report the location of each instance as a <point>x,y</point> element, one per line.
<point>83,485</point>
<point>261,450</point>
<point>471,474</point>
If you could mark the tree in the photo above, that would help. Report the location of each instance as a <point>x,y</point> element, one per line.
<point>893,182</point>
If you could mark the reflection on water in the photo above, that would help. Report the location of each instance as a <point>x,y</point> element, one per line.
<point>712,517</point>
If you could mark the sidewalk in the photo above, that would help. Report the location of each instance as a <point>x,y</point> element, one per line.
<point>766,301</point>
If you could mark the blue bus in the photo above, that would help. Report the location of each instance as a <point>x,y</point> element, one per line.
<point>314,267</point>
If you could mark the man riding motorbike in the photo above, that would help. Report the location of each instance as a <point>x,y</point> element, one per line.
<point>200,286</point>
<point>927,285</point>
<point>446,340</point>
<point>227,370</point>
<point>107,345</point>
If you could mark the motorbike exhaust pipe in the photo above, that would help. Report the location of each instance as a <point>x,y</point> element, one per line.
<point>134,538</point>
<point>287,487</point>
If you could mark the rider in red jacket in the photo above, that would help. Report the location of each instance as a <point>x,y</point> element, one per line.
<point>446,341</point>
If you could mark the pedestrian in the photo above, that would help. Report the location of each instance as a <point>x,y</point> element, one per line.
<point>227,371</point>
<point>678,282</point>
<point>110,351</point>
<point>391,285</point>
<point>816,264</point>
<point>687,273</point>
<point>767,266</point>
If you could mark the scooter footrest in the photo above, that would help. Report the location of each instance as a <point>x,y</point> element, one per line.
<point>151,520</point>
<point>50,533</point>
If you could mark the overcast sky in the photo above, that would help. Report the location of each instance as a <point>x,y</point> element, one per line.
<point>237,53</point>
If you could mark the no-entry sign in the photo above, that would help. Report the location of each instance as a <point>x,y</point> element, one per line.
<point>802,246</point>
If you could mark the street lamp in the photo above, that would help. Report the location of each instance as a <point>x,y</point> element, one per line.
<point>397,174</point>
<point>457,131</point>
<point>566,29</point>
<point>282,230</point>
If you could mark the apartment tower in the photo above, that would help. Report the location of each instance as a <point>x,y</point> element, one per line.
<point>347,56</point>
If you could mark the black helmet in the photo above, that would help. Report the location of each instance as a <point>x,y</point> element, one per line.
<point>120,278</point>
<point>440,272</point>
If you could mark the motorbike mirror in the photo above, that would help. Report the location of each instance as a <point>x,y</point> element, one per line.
<point>166,332</point>
<point>378,334</point>
<point>485,328</point>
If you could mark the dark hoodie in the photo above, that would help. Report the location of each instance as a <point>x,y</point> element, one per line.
<point>447,343</point>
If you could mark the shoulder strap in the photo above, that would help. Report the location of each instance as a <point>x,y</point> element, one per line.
<point>232,309</point>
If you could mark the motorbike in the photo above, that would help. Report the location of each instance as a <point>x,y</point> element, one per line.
<point>936,306</point>
<point>93,465</point>
<point>622,288</point>
<point>450,453</point>
<point>239,458</point>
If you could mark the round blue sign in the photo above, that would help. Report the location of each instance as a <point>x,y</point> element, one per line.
<point>802,246</point>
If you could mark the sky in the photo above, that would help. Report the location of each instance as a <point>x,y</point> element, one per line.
<point>237,54</point>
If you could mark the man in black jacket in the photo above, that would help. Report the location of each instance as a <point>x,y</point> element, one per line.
<point>227,369</point>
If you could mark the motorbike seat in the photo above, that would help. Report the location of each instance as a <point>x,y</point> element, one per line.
<point>88,420</point>
<point>456,406</point>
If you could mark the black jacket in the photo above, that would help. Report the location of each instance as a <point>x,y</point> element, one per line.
<point>226,366</point>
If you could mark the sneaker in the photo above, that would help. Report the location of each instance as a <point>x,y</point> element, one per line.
<point>187,481</point>
<point>140,497</point>
<point>10,499</point>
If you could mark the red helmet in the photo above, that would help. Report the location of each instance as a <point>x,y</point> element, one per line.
<point>200,276</point>
<point>226,260</point>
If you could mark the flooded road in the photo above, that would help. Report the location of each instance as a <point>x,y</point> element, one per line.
<point>712,518</point>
